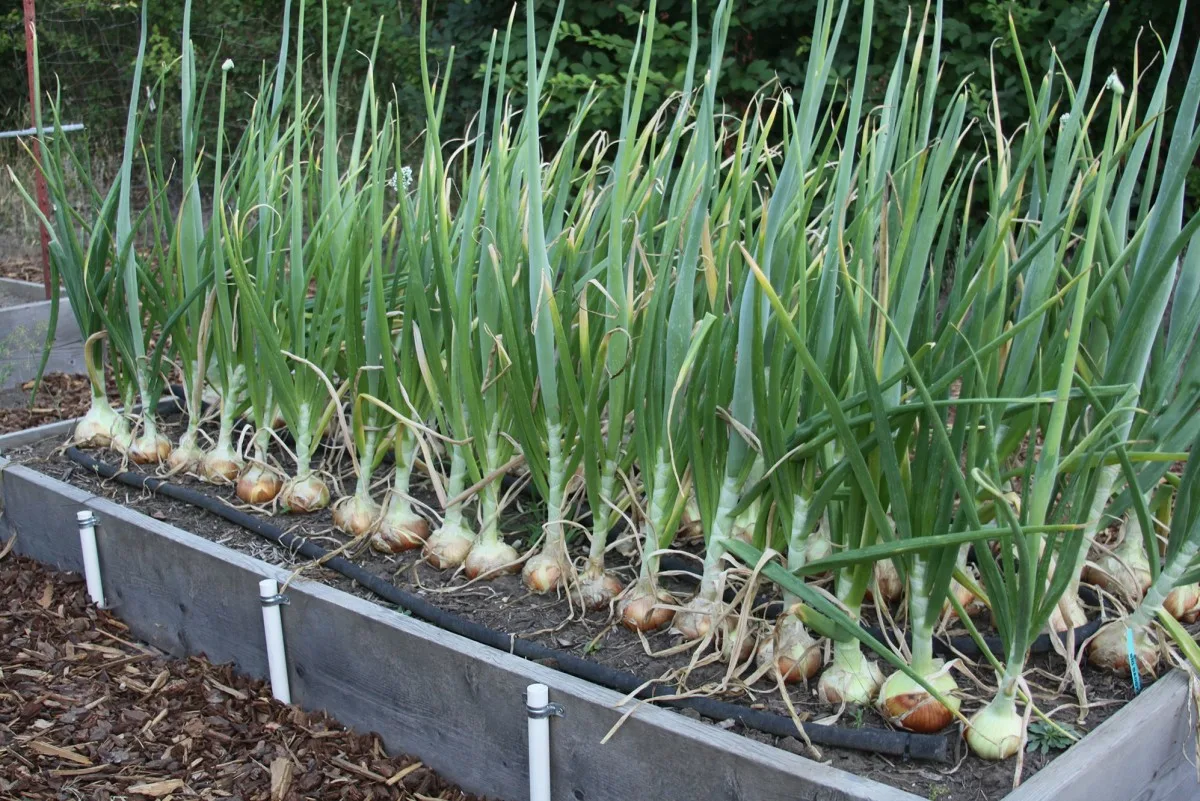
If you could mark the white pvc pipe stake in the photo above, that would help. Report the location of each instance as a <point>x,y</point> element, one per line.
<point>540,710</point>
<point>268,592</point>
<point>91,556</point>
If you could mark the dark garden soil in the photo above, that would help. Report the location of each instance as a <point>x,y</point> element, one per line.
<point>504,604</point>
<point>86,713</point>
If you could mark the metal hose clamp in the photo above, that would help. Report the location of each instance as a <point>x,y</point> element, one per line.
<point>275,600</point>
<point>88,519</point>
<point>551,710</point>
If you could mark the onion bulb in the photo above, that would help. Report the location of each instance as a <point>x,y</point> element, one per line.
<point>545,571</point>
<point>1125,571</point>
<point>695,620</point>
<point>1072,618</point>
<point>598,587</point>
<point>1109,649</point>
<point>851,678</point>
<point>887,586</point>
<point>817,545</point>
<point>305,493</point>
<point>449,545</point>
<point>646,607</point>
<point>962,594</point>
<point>995,732</point>
<point>489,559</point>
<point>401,529</point>
<point>690,524</point>
<point>791,650</point>
<point>149,448</point>
<point>258,484</point>
<point>101,427</point>
<point>186,457</point>
<point>1183,603</point>
<point>910,706</point>
<point>221,465</point>
<point>357,514</point>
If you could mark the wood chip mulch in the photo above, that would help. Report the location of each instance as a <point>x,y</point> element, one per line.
<point>61,396</point>
<point>22,268</point>
<point>88,713</point>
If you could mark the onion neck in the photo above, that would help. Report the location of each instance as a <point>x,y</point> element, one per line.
<point>1108,479</point>
<point>555,535</point>
<point>602,517</point>
<point>453,517</point>
<point>922,631</point>
<point>797,555</point>
<point>719,535</point>
<point>366,465</point>
<point>652,534</point>
<point>304,443</point>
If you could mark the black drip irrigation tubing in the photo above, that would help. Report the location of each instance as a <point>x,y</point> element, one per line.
<point>948,648</point>
<point>930,747</point>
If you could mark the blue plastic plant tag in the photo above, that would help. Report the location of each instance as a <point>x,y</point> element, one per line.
<point>1131,654</point>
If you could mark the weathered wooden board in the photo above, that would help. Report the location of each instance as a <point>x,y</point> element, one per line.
<point>1140,753</point>
<point>58,431</point>
<point>417,685</point>
<point>459,706</point>
<point>182,593</point>
<point>23,290</point>
<point>40,511</point>
<point>23,334</point>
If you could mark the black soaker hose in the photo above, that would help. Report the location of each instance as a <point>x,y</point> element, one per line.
<point>947,648</point>
<point>932,747</point>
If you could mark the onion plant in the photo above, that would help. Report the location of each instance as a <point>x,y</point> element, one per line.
<point>297,332</point>
<point>183,271</point>
<point>81,263</point>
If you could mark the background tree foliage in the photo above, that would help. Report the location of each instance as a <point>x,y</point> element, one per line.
<point>88,47</point>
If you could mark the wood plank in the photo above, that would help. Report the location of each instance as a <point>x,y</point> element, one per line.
<point>58,430</point>
<point>23,331</point>
<point>1138,753</point>
<point>179,592</point>
<point>26,290</point>
<point>412,683</point>
<point>41,512</point>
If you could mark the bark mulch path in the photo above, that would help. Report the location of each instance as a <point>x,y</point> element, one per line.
<point>61,396</point>
<point>88,713</point>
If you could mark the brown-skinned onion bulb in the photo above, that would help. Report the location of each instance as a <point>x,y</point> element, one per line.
<point>258,484</point>
<point>791,650</point>
<point>489,559</point>
<point>356,514</point>
<point>449,545</point>
<point>545,571</point>
<point>646,607</point>
<point>221,466</point>
<point>1109,649</point>
<point>597,588</point>
<point>907,704</point>
<point>149,448</point>
<point>304,494</point>
<point>1183,603</point>
<point>401,529</point>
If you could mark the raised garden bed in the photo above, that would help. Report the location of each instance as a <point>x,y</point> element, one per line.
<point>458,705</point>
<point>24,321</point>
